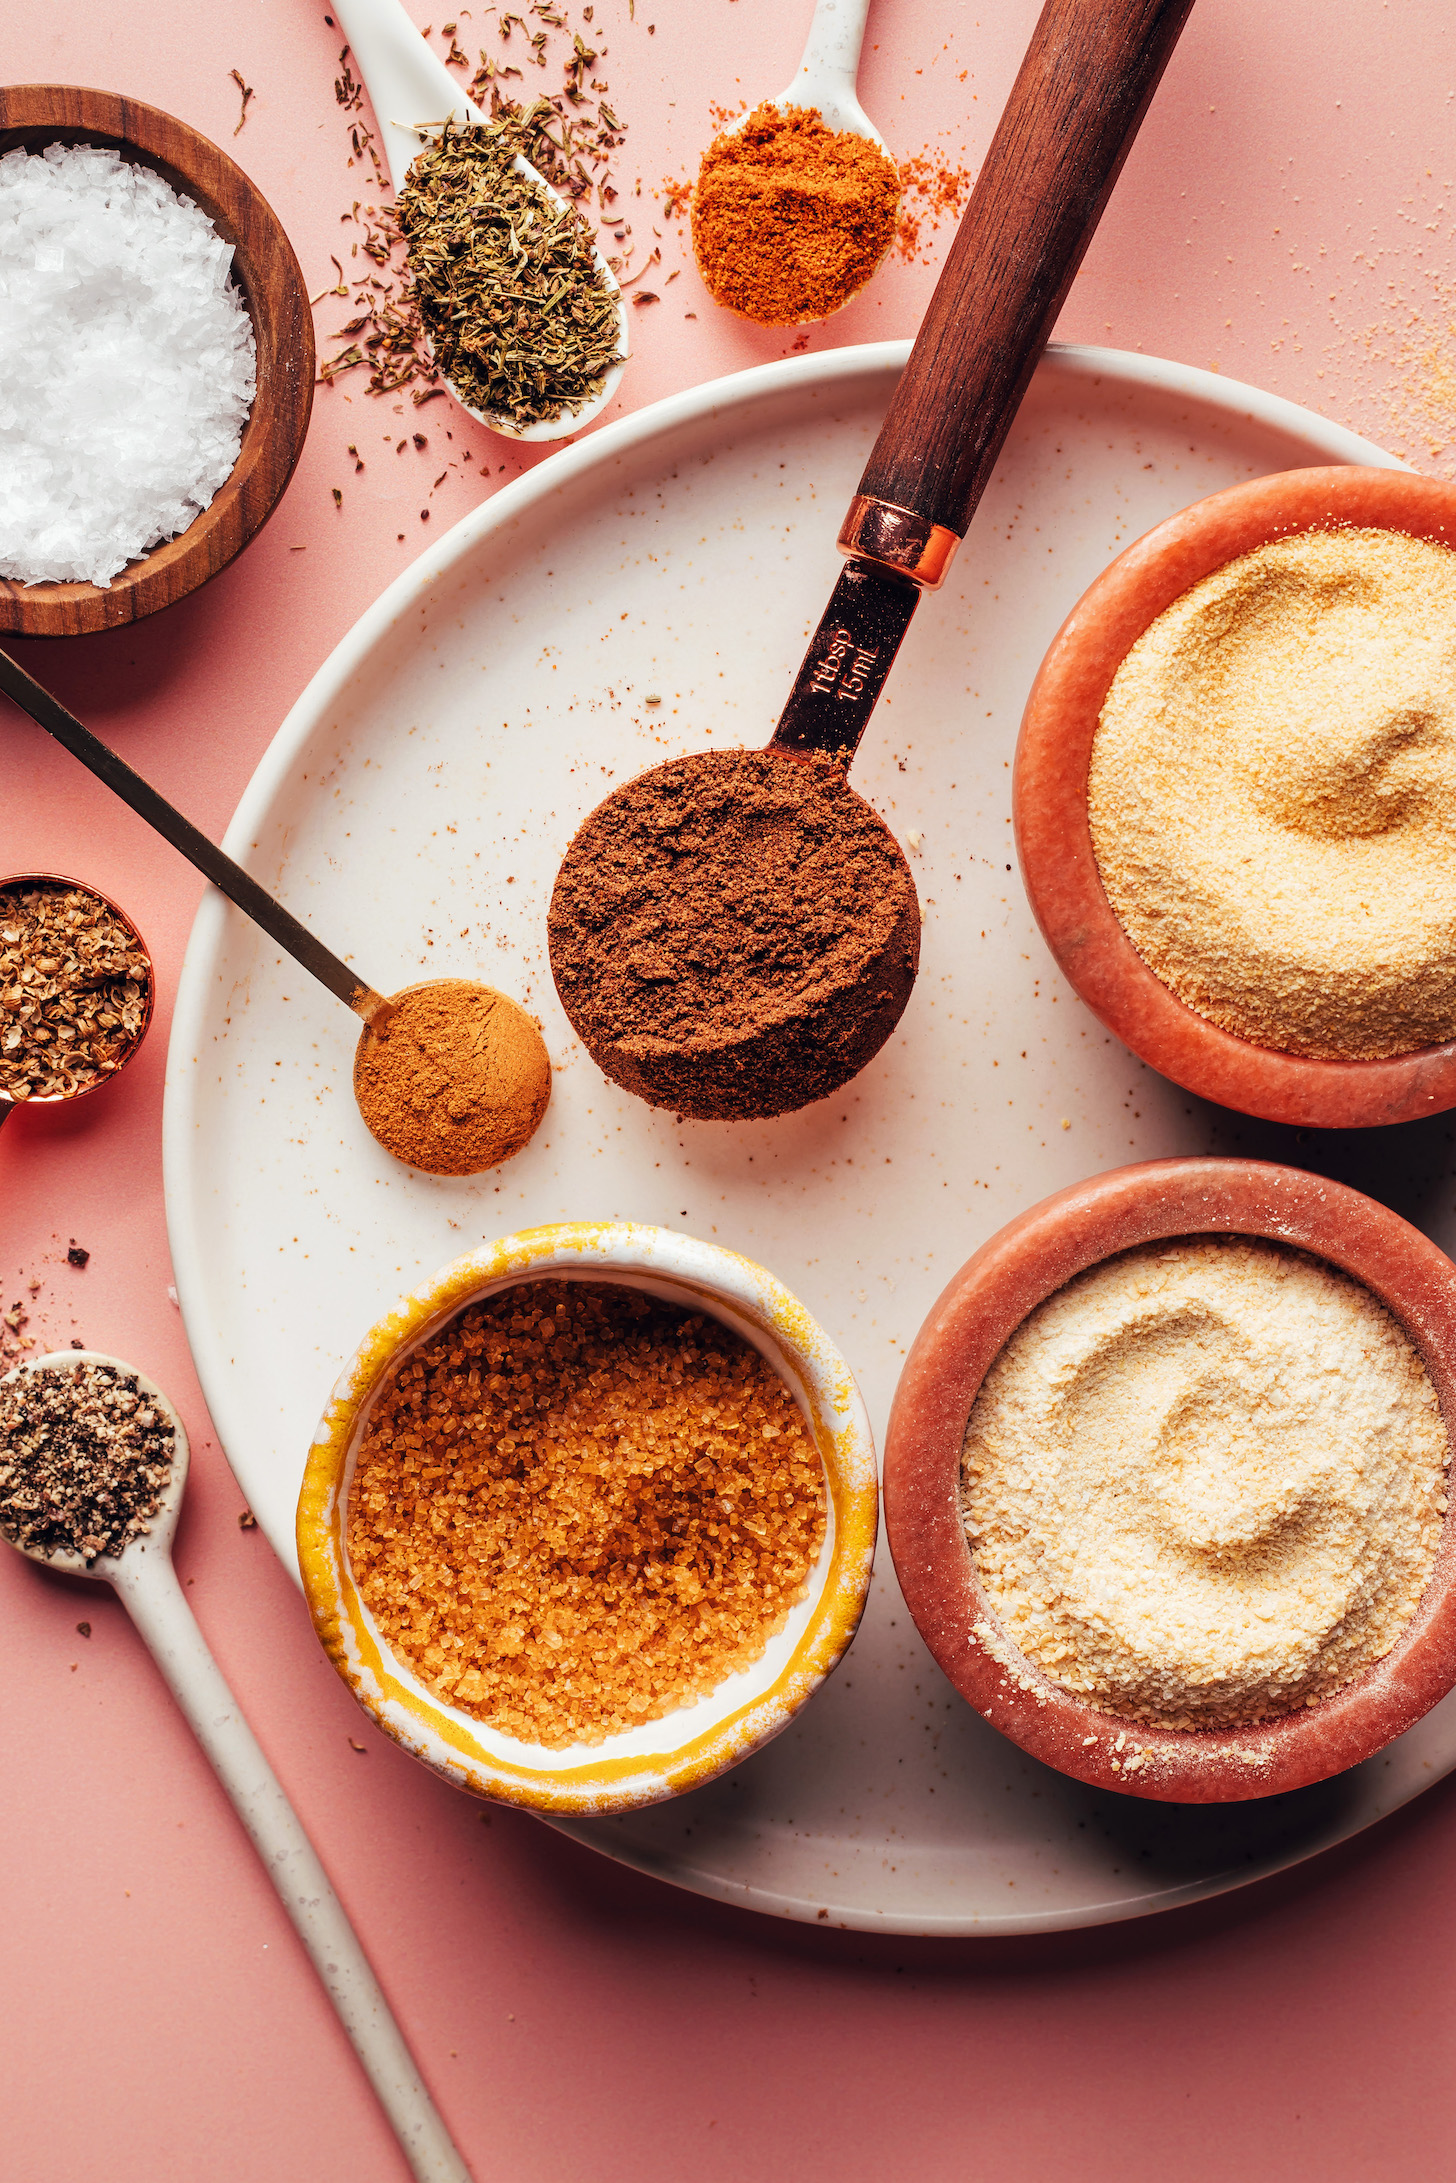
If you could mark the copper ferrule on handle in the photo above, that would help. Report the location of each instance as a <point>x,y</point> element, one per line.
<point>898,540</point>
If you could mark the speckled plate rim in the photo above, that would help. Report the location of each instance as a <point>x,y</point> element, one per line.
<point>760,1701</point>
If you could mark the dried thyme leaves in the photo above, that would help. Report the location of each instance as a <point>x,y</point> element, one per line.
<point>74,986</point>
<point>519,314</point>
<point>570,135</point>
<point>84,1457</point>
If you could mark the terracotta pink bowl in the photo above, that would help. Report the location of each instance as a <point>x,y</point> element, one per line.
<point>1049,802</point>
<point>985,1303</point>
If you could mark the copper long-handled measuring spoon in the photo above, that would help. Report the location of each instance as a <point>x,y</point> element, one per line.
<point>1082,90</point>
<point>255,901</point>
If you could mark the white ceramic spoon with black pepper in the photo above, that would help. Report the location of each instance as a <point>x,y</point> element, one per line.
<point>145,1581</point>
<point>413,93</point>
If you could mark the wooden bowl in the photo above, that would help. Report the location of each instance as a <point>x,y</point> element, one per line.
<point>1018,1269</point>
<point>33,115</point>
<point>1054,840</point>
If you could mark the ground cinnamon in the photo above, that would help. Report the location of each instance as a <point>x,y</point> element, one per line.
<point>454,1080</point>
<point>734,934</point>
<point>791,218</point>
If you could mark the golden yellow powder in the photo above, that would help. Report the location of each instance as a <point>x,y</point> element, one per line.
<point>577,1507</point>
<point>1272,795</point>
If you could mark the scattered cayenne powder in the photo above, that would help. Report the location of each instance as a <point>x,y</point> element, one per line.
<point>1272,795</point>
<point>84,1458</point>
<point>734,934</point>
<point>578,1507</point>
<point>1204,1483</point>
<point>454,1080</point>
<point>75,985</point>
<point>790,218</point>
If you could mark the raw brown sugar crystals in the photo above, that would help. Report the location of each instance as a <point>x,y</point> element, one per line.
<point>791,218</point>
<point>578,1507</point>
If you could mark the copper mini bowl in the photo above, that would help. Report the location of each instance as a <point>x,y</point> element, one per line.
<point>1053,835</point>
<point>1029,1260</point>
<point>33,115</point>
<point>83,886</point>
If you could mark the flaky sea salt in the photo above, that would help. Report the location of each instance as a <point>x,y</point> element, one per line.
<point>127,364</point>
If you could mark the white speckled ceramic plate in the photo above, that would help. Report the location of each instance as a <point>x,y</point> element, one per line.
<point>416,803</point>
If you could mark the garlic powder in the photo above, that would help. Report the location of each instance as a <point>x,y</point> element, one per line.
<point>1272,795</point>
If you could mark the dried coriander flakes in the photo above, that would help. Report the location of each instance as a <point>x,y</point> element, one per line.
<point>518,311</point>
<point>74,986</point>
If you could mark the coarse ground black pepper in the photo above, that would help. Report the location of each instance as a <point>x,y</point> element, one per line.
<point>84,1458</point>
<point>734,934</point>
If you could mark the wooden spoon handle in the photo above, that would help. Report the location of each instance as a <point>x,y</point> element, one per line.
<point>1083,88</point>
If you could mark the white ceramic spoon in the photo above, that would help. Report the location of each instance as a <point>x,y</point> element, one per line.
<point>146,1583</point>
<point>411,89</point>
<point>829,70</point>
<point>826,80</point>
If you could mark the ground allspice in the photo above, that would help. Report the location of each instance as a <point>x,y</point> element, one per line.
<point>454,1079</point>
<point>791,218</point>
<point>578,1507</point>
<point>734,934</point>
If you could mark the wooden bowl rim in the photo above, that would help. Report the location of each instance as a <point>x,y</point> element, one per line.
<point>1015,1271</point>
<point>1053,833</point>
<point>283,333</point>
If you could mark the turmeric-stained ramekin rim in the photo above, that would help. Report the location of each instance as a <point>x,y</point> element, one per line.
<point>1053,832</point>
<point>449,1740</point>
<point>1016,1270</point>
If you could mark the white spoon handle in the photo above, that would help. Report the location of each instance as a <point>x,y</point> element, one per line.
<point>148,1585</point>
<point>830,65</point>
<point>406,82</point>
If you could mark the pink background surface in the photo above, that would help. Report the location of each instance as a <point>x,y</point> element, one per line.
<point>1284,218</point>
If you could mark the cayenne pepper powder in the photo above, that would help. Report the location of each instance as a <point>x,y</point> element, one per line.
<point>454,1079</point>
<point>791,218</point>
<point>734,934</point>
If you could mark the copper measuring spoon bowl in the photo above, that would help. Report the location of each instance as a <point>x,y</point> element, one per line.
<point>59,880</point>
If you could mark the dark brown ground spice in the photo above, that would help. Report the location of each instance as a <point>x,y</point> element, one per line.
<point>84,1456</point>
<point>578,1506</point>
<point>734,934</point>
<point>790,218</point>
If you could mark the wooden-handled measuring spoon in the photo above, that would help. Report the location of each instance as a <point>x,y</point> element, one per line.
<point>672,1011</point>
<point>488,1088</point>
